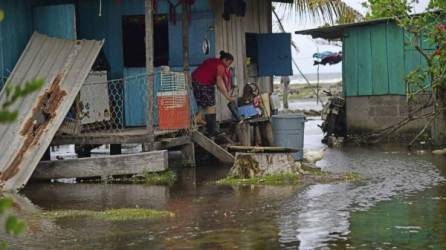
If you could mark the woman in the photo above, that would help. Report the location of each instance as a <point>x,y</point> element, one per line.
<point>212,72</point>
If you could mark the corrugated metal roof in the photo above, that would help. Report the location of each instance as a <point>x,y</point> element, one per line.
<point>64,65</point>
<point>337,31</point>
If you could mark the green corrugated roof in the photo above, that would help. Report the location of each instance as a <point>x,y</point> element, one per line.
<point>337,31</point>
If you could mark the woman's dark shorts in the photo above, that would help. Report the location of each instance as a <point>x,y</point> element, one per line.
<point>204,94</point>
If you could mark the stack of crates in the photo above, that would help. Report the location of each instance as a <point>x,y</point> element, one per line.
<point>173,101</point>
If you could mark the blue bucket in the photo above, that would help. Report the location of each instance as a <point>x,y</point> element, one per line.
<point>288,131</point>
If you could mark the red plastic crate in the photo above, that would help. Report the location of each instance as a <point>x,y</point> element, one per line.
<point>173,110</point>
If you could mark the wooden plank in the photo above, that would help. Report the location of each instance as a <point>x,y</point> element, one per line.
<point>154,161</point>
<point>364,60</point>
<point>131,135</point>
<point>350,55</point>
<point>251,149</point>
<point>380,74</point>
<point>213,148</point>
<point>395,59</point>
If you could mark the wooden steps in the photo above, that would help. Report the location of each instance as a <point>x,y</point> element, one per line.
<point>212,147</point>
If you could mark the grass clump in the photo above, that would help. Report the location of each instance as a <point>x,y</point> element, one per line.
<point>313,170</point>
<point>353,177</point>
<point>159,178</point>
<point>280,179</point>
<point>121,214</point>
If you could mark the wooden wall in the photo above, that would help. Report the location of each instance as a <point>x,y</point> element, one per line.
<point>230,37</point>
<point>15,31</point>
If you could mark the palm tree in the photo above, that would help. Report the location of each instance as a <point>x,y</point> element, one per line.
<point>328,11</point>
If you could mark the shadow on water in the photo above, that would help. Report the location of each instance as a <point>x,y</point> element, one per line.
<point>402,203</point>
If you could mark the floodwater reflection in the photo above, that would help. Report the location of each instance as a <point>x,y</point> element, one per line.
<point>401,203</point>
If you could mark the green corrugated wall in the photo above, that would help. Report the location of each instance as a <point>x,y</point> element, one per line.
<point>376,60</point>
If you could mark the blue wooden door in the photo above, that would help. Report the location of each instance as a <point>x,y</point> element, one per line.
<point>55,20</point>
<point>274,54</point>
<point>201,28</point>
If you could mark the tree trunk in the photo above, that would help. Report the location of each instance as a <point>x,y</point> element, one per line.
<point>439,124</point>
<point>249,165</point>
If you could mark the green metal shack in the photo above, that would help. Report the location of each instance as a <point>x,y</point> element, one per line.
<point>376,59</point>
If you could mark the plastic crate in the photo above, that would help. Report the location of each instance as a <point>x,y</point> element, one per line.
<point>173,110</point>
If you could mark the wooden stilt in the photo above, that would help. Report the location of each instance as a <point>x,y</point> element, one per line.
<point>115,149</point>
<point>188,151</point>
<point>149,67</point>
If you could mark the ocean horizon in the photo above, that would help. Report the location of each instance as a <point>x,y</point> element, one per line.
<point>334,77</point>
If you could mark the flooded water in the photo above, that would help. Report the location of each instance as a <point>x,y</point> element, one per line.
<point>401,205</point>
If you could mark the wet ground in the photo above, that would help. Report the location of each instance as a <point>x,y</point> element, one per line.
<point>401,205</point>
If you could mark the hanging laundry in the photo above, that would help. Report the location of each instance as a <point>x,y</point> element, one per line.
<point>236,7</point>
<point>322,55</point>
<point>327,57</point>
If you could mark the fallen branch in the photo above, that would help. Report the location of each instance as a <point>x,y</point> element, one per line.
<point>428,123</point>
<point>379,135</point>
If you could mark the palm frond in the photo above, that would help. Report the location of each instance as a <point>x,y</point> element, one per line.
<point>329,11</point>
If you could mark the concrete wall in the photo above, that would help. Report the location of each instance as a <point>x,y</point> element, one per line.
<point>371,113</point>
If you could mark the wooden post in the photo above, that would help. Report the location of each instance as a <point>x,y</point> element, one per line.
<point>285,85</point>
<point>149,66</point>
<point>188,152</point>
<point>186,62</point>
<point>185,30</point>
<point>115,149</point>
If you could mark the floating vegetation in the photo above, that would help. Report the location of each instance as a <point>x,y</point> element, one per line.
<point>149,178</point>
<point>311,176</point>
<point>280,179</point>
<point>159,178</point>
<point>121,214</point>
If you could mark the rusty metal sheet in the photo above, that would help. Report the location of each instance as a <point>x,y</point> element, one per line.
<point>64,65</point>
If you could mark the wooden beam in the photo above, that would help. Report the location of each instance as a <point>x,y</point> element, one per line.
<point>102,139</point>
<point>250,149</point>
<point>154,161</point>
<point>213,148</point>
<point>149,64</point>
<point>166,143</point>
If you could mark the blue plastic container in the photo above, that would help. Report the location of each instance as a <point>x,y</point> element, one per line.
<point>248,111</point>
<point>288,131</point>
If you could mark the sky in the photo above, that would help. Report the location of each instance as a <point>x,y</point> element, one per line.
<point>308,46</point>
